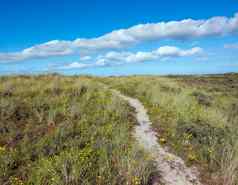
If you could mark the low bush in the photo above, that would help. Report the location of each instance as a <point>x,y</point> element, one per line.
<point>195,116</point>
<point>67,130</point>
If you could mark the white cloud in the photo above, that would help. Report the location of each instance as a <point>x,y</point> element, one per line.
<point>180,30</point>
<point>80,65</point>
<point>118,58</point>
<point>75,65</point>
<point>52,48</point>
<point>231,46</point>
<point>171,51</point>
<point>85,58</point>
<point>162,52</point>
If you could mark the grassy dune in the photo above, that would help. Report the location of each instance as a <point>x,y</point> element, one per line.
<point>67,131</point>
<point>197,117</point>
<point>57,130</point>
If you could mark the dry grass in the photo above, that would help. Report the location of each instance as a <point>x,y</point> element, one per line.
<point>196,116</point>
<point>67,131</point>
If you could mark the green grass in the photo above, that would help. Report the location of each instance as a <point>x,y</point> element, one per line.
<point>196,116</point>
<point>57,130</point>
<point>67,131</point>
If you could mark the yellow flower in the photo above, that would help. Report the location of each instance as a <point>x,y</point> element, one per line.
<point>16,181</point>
<point>162,140</point>
<point>192,157</point>
<point>210,151</point>
<point>2,149</point>
<point>187,136</point>
<point>135,181</point>
<point>169,157</point>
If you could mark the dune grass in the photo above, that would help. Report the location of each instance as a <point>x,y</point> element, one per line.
<point>71,130</point>
<point>67,131</point>
<point>196,116</point>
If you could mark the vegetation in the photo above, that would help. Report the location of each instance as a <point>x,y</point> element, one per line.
<point>67,131</point>
<point>196,116</point>
<point>57,130</point>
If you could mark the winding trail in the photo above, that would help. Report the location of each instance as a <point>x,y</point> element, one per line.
<point>171,168</point>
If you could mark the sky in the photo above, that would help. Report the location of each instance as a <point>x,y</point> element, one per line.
<point>118,37</point>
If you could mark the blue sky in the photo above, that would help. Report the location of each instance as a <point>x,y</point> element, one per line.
<point>118,37</point>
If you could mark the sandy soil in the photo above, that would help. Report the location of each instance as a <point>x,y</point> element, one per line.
<point>172,169</point>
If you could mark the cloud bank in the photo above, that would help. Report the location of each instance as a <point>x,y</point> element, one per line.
<point>119,58</point>
<point>52,48</point>
<point>118,39</point>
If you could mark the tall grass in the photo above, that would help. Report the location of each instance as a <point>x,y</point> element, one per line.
<point>67,131</point>
<point>196,116</point>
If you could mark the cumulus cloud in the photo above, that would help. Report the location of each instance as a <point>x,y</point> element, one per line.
<point>75,65</point>
<point>119,58</point>
<point>231,46</point>
<point>171,51</point>
<point>162,52</point>
<point>179,30</point>
<point>52,48</point>
<point>80,65</point>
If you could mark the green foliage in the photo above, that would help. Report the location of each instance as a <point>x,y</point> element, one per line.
<point>66,130</point>
<point>196,116</point>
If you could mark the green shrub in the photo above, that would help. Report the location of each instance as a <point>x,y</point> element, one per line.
<point>196,116</point>
<point>67,130</point>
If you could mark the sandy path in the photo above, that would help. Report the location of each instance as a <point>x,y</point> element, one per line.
<point>172,168</point>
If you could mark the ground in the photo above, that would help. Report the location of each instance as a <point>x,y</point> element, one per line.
<point>72,130</point>
<point>195,116</point>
